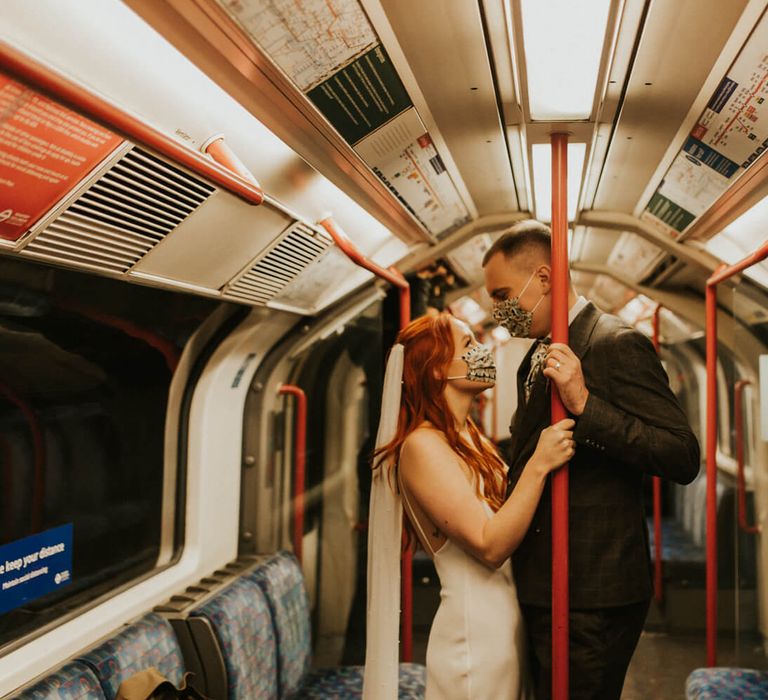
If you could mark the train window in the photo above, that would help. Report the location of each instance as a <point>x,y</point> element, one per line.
<point>86,365</point>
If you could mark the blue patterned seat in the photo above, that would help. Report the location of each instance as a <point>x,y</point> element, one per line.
<point>75,681</point>
<point>148,642</point>
<point>347,682</point>
<point>242,624</point>
<point>281,580</point>
<point>727,684</point>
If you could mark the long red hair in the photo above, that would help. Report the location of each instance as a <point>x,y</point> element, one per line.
<point>428,350</point>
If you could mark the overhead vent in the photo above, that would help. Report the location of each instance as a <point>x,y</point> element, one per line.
<point>122,216</point>
<point>298,248</point>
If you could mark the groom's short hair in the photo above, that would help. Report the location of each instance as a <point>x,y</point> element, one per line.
<point>523,237</point>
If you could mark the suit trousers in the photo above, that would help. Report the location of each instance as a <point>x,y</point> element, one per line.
<point>601,644</point>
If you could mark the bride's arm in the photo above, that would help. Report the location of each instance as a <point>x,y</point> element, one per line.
<point>435,478</point>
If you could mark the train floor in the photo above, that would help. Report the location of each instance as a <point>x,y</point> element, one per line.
<point>663,661</point>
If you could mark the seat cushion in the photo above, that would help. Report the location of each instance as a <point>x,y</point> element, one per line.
<point>242,623</point>
<point>282,582</point>
<point>727,684</point>
<point>75,681</point>
<point>346,683</point>
<point>148,642</point>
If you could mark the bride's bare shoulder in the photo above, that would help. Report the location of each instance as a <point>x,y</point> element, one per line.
<point>423,444</point>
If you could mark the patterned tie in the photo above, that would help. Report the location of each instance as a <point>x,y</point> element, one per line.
<point>537,363</point>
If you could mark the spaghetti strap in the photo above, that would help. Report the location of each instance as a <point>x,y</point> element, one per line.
<point>413,517</point>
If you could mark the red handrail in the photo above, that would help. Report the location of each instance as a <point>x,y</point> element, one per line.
<point>395,277</point>
<point>299,464</point>
<point>38,445</point>
<point>722,273</point>
<point>560,593</point>
<point>118,120</point>
<point>657,534</point>
<point>738,419</point>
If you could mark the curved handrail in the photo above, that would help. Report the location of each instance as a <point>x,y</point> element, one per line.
<point>394,277</point>
<point>299,464</point>
<point>722,273</point>
<point>118,120</point>
<point>738,419</point>
<point>38,445</point>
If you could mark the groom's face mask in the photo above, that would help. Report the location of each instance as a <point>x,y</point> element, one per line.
<point>480,365</point>
<point>510,315</point>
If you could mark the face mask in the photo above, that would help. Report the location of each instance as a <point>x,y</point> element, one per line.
<point>510,315</point>
<point>480,365</point>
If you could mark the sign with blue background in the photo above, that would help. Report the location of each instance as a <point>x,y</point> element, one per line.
<point>32,567</point>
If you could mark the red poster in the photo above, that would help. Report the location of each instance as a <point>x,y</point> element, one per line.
<point>45,151</point>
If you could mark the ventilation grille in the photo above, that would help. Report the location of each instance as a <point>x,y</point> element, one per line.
<point>122,216</point>
<point>294,252</point>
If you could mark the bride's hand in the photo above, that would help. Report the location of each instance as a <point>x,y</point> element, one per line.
<point>556,445</point>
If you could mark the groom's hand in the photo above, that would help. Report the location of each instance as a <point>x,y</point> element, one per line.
<point>564,369</point>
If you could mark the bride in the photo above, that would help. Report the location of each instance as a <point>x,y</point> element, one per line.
<point>452,484</point>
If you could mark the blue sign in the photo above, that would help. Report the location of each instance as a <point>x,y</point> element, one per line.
<point>32,567</point>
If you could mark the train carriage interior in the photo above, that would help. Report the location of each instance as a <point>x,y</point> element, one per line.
<point>216,215</point>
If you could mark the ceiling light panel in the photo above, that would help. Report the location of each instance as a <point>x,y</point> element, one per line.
<point>563,43</point>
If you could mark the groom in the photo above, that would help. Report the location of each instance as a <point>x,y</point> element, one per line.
<point>628,423</point>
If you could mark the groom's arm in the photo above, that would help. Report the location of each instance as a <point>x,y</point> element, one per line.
<point>632,416</point>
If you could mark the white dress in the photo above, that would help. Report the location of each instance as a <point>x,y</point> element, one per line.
<point>476,648</point>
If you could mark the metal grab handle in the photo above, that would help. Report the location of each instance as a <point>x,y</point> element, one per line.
<point>394,277</point>
<point>299,464</point>
<point>738,394</point>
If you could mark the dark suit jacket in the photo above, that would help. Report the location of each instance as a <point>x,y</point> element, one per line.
<point>632,425</point>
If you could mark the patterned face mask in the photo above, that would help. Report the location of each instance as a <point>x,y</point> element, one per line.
<point>480,365</point>
<point>510,315</point>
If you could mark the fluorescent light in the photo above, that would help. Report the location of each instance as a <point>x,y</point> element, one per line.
<point>563,42</point>
<point>542,178</point>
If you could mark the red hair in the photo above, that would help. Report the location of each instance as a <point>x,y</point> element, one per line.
<point>428,350</point>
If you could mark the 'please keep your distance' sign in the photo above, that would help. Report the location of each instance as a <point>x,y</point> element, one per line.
<point>34,566</point>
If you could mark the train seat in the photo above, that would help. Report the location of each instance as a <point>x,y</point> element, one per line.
<point>74,681</point>
<point>234,635</point>
<point>726,684</point>
<point>148,642</point>
<point>282,582</point>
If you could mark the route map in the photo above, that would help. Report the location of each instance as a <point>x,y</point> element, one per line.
<point>309,39</point>
<point>730,134</point>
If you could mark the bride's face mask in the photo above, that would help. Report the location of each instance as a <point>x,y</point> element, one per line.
<point>480,365</point>
<point>510,315</point>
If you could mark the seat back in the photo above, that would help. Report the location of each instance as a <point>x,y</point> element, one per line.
<point>282,582</point>
<point>146,643</point>
<point>235,639</point>
<point>75,681</point>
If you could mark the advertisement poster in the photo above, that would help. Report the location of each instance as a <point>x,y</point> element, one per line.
<point>730,134</point>
<point>45,151</point>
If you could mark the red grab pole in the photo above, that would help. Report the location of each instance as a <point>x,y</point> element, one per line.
<point>657,535</point>
<point>722,273</point>
<point>299,465</point>
<point>738,419</point>
<point>394,277</point>
<point>711,446</point>
<point>560,603</point>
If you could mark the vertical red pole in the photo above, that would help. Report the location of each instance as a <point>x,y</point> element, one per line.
<point>657,535</point>
<point>711,345</point>
<point>738,419</point>
<point>406,567</point>
<point>560,660</point>
<point>299,468</point>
